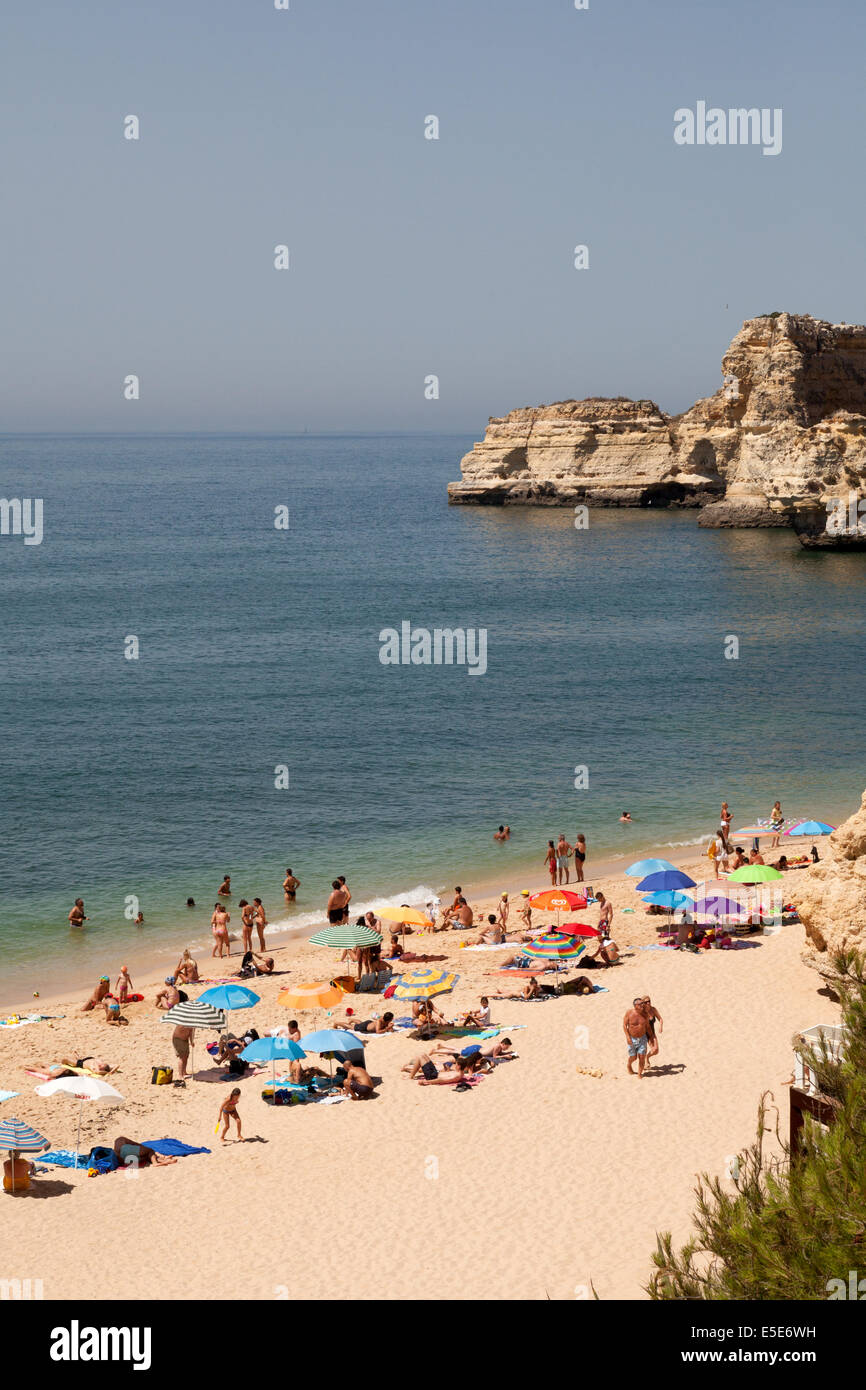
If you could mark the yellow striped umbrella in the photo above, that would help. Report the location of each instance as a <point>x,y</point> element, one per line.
<point>425,984</point>
<point>315,996</point>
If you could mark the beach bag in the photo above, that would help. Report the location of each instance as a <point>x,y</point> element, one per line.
<point>711,850</point>
<point>161,1076</point>
<point>237,1066</point>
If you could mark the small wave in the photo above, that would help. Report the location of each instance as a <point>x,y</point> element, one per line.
<point>684,844</point>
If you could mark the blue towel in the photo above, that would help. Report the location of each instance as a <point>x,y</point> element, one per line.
<point>65,1158</point>
<point>174,1148</point>
<point>7,1095</point>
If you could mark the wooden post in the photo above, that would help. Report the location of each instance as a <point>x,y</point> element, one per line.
<point>802,1104</point>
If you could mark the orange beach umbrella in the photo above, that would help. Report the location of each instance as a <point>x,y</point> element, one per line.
<point>313,996</point>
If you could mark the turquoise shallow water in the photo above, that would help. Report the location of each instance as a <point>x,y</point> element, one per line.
<point>259,648</point>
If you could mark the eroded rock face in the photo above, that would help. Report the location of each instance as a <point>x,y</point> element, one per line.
<point>787,428</point>
<point>832,897</point>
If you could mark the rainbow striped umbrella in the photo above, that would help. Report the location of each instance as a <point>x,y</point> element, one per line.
<point>555,946</point>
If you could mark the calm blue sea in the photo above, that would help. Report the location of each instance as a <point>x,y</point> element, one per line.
<point>259,647</point>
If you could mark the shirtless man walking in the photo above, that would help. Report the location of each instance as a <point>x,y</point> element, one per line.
<point>634,1025</point>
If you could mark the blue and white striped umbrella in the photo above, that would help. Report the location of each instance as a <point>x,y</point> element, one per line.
<point>15,1134</point>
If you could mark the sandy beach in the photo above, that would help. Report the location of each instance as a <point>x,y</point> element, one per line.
<point>422,1192</point>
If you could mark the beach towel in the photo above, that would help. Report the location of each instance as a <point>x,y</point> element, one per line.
<point>7,1095</point>
<point>21,1020</point>
<point>493,946</point>
<point>173,1148</point>
<point>65,1158</point>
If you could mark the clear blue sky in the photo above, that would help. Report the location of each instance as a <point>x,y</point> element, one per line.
<point>408,256</point>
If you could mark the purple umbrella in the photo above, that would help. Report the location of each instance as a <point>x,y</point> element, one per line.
<point>715,905</point>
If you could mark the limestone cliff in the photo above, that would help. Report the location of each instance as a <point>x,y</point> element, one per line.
<point>786,430</point>
<point>831,899</point>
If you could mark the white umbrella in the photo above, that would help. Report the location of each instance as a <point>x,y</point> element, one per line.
<point>81,1088</point>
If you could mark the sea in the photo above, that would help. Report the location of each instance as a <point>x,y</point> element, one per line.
<point>192,684</point>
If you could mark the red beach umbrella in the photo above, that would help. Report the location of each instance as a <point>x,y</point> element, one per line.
<point>579,929</point>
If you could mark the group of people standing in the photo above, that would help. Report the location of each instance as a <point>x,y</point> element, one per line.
<point>558,855</point>
<point>253,918</point>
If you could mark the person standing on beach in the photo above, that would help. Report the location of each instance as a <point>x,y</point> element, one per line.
<point>225,888</point>
<point>248,914</point>
<point>261,922</point>
<point>76,917</point>
<point>345,887</point>
<point>550,861</point>
<point>777,820</point>
<point>229,1111</point>
<point>219,924</point>
<point>579,857</point>
<point>634,1025</point>
<point>180,1042</point>
<point>290,886</point>
<point>525,912</point>
<point>338,902</point>
<point>653,1017</point>
<point>725,821</point>
<point>563,850</point>
<point>123,988</point>
<point>605,913</point>
<point>503,912</point>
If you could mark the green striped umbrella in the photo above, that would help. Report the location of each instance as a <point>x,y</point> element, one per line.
<point>344,936</point>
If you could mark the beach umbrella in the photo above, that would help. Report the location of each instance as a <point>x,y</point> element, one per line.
<point>270,1049</point>
<point>405,917</point>
<point>229,997</point>
<point>555,946</point>
<point>81,1088</point>
<point>754,874</point>
<point>664,880</point>
<point>717,905</point>
<point>311,996</point>
<point>558,900</point>
<point>17,1137</point>
<point>671,898</point>
<point>344,936</point>
<point>810,827</point>
<point>426,983</point>
<point>579,929</point>
<point>195,1013</point>
<point>648,866</point>
<point>328,1041</point>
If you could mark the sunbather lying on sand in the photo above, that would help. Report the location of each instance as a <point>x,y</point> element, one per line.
<point>97,1067</point>
<point>531,990</point>
<point>131,1154</point>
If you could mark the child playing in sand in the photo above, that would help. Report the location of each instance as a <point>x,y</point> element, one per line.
<point>229,1111</point>
<point>123,988</point>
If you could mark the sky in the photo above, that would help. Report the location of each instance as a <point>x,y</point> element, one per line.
<point>408,257</point>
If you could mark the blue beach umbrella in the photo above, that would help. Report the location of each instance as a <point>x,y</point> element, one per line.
<point>229,997</point>
<point>272,1050</point>
<point>671,899</point>
<point>810,827</point>
<point>664,880</point>
<point>327,1041</point>
<point>648,866</point>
